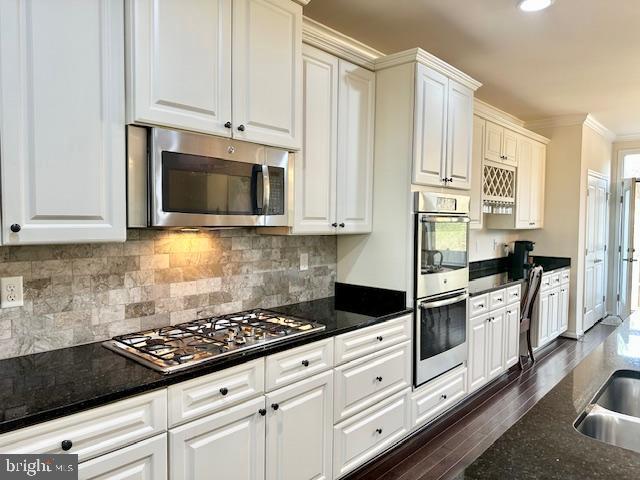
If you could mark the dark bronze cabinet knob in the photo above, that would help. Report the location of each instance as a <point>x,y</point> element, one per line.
<point>262,411</point>
<point>15,228</point>
<point>224,391</point>
<point>342,225</point>
<point>379,431</point>
<point>379,379</point>
<point>241,128</point>
<point>66,445</point>
<point>334,225</point>
<point>275,406</point>
<point>305,363</point>
<point>227,125</point>
<point>379,338</point>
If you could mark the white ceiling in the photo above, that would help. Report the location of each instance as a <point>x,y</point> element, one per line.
<point>579,56</point>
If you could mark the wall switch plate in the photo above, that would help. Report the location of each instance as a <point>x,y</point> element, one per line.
<point>304,262</point>
<point>11,294</point>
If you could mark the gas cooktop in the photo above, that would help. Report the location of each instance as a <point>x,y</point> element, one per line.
<point>173,348</point>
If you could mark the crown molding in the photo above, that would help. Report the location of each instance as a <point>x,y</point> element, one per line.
<point>559,121</point>
<point>302,2</point>
<point>506,120</point>
<point>425,58</point>
<point>599,128</point>
<point>628,137</point>
<point>325,38</point>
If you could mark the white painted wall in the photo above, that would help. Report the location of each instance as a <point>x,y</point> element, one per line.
<point>487,244</point>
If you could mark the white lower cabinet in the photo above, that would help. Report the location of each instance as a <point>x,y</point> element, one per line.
<point>146,460</point>
<point>496,344</point>
<point>550,317</point>
<point>435,397</point>
<point>512,335</point>
<point>228,444</point>
<point>478,347</point>
<point>299,437</point>
<point>370,432</point>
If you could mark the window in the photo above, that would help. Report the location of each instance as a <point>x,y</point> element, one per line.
<point>631,165</point>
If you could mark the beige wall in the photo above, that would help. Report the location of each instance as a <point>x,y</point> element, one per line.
<point>486,244</point>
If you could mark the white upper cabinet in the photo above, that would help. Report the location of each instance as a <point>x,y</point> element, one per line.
<point>223,67</point>
<point>62,121</point>
<point>524,183</point>
<point>459,135</point>
<point>179,64</point>
<point>477,152</point>
<point>333,175</point>
<point>267,72</point>
<point>430,127</point>
<point>356,104</point>
<point>316,166</point>
<point>538,166</point>
<point>500,144</point>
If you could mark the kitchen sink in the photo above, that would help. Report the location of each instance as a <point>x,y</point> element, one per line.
<point>614,414</point>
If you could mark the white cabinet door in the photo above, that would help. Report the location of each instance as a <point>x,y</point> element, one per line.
<point>478,345</point>
<point>495,351</point>
<point>179,64</point>
<point>267,72</point>
<point>430,126</point>
<point>524,183</point>
<point>477,156</point>
<point>563,309</point>
<point>493,142</point>
<point>62,121</point>
<point>299,430</point>
<point>509,147</point>
<point>228,444</point>
<point>315,168</point>
<point>543,318</point>
<point>538,163</point>
<point>512,335</point>
<point>459,135</point>
<point>356,104</point>
<point>146,460</point>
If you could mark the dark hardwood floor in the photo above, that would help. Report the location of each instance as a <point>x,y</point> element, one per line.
<point>451,443</point>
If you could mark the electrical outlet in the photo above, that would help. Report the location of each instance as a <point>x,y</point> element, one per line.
<point>11,294</point>
<point>304,262</point>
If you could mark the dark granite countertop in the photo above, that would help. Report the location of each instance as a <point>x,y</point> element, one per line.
<point>545,444</point>
<point>44,386</point>
<point>489,283</point>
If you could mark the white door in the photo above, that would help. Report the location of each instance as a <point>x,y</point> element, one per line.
<point>179,64</point>
<point>478,350</point>
<point>537,184</point>
<point>315,166</point>
<point>145,460</point>
<point>512,335</point>
<point>595,251</point>
<point>477,156</point>
<point>628,261</point>
<point>524,183</point>
<point>493,142</point>
<point>267,72</point>
<point>495,351</point>
<point>510,147</point>
<point>300,430</point>
<point>563,309</point>
<point>229,444</point>
<point>430,127</point>
<point>459,135</point>
<point>62,121</point>
<point>356,106</point>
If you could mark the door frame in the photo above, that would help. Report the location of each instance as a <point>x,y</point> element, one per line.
<point>606,178</point>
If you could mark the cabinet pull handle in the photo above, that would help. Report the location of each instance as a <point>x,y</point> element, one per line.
<point>334,224</point>
<point>241,128</point>
<point>15,228</point>
<point>379,338</point>
<point>66,445</point>
<point>305,363</point>
<point>342,225</point>
<point>224,391</point>
<point>378,431</point>
<point>481,305</point>
<point>379,379</point>
<point>443,396</point>
<point>227,125</point>
<point>262,411</point>
<point>275,406</point>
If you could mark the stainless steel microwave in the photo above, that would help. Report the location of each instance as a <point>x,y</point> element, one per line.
<point>180,179</point>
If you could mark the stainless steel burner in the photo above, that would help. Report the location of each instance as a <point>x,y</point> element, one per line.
<point>172,348</point>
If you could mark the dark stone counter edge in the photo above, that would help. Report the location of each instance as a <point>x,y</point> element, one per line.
<point>187,374</point>
<point>510,283</point>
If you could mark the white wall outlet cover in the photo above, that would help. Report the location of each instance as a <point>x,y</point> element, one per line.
<point>304,262</point>
<point>11,293</point>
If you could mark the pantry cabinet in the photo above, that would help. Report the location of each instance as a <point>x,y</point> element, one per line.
<point>443,130</point>
<point>223,67</point>
<point>62,116</point>
<point>333,175</point>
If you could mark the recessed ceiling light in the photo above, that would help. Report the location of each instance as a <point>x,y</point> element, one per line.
<point>534,5</point>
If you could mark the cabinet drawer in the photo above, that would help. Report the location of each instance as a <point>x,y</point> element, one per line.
<point>513,294</point>
<point>497,299</point>
<point>365,435</point>
<point>352,345</point>
<point>545,282</point>
<point>94,432</point>
<point>298,363</point>
<point>437,396</point>
<point>565,277</point>
<point>555,280</point>
<point>146,460</point>
<point>364,382</point>
<point>210,393</point>
<point>478,305</point>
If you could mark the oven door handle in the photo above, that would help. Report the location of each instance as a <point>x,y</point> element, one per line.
<point>266,189</point>
<point>444,219</point>
<point>445,302</point>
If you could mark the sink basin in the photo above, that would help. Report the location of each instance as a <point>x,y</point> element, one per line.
<point>614,414</point>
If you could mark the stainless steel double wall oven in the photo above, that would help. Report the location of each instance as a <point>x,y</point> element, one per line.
<point>441,283</point>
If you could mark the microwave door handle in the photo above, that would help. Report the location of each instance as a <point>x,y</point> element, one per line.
<point>266,189</point>
<point>444,303</point>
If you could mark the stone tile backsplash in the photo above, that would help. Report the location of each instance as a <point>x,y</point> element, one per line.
<point>89,292</point>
